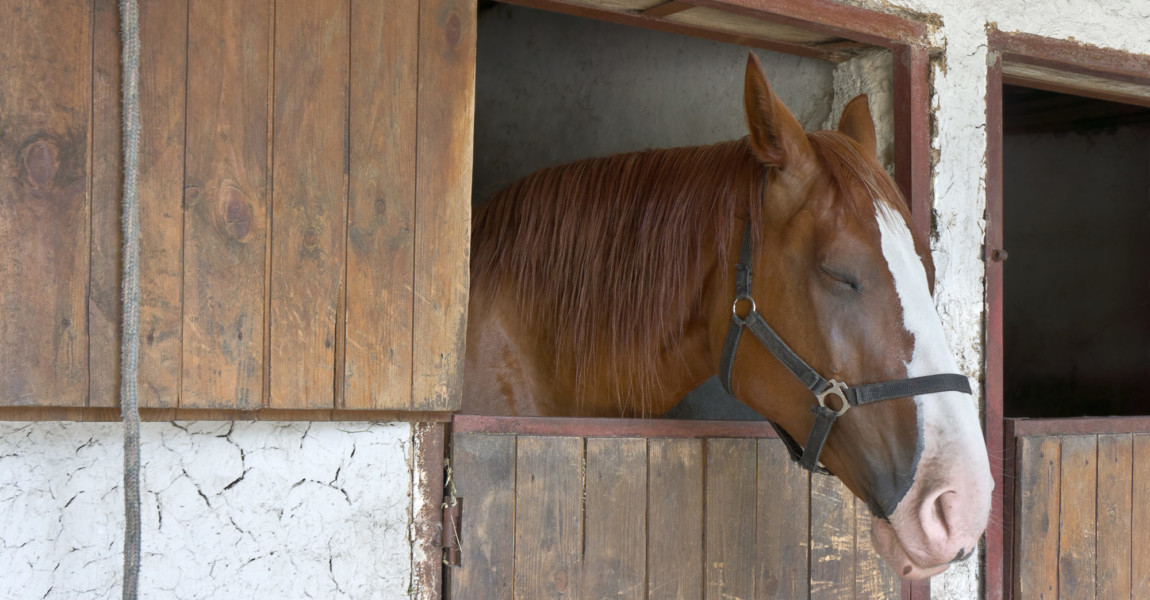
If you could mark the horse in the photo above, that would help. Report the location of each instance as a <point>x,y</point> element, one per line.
<point>607,287</point>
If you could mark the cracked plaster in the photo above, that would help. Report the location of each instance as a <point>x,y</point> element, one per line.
<point>292,510</point>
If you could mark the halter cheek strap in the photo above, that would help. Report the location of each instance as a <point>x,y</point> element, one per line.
<point>823,389</point>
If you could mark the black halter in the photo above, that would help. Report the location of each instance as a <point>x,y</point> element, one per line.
<point>822,388</point>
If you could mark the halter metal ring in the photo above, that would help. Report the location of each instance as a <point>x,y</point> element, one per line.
<point>839,389</point>
<point>735,306</point>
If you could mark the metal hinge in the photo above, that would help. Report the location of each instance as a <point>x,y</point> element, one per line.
<point>452,519</point>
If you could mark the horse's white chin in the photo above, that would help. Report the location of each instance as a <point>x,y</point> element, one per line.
<point>888,546</point>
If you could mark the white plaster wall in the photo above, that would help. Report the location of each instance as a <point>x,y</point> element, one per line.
<point>959,108</point>
<point>230,510</point>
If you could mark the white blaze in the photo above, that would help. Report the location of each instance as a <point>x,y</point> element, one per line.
<point>953,450</point>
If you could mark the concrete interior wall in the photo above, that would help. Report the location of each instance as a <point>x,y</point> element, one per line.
<point>552,88</point>
<point>1077,282</point>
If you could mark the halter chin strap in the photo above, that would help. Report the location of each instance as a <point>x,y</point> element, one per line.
<point>822,388</point>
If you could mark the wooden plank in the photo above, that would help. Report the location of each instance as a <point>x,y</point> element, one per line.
<point>830,52</point>
<point>832,539</point>
<point>1036,538</point>
<point>163,81</point>
<point>107,183</point>
<point>381,204</point>
<point>1112,570</point>
<point>675,507</point>
<point>225,204</point>
<point>1076,552</point>
<point>427,499</point>
<point>45,103</point>
<point>782,531</point>
<point>615,532</point>
<point>483,471</point>
<point>443,200</point>
<point>1081,426</point>
<point>911,70</point>
<point>1140,518</point>
<point>590,427</point>
<point>309,192</point>
<point>874,578</point>
<point>999,533</point>
<point>1073,55</point>
<point>729,531</point>
<point>548,517</point>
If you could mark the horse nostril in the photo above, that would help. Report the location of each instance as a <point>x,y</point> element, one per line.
<point>961,555</point>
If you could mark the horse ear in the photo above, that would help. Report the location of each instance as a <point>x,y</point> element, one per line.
<point>776,136</point>
<point>856,123</point>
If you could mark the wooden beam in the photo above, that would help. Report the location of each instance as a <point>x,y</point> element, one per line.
<point>993,393</point>
<point>595,427</point>
<point>911,67</point>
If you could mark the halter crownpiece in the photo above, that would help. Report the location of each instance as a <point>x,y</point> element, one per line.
<point>825,413</point>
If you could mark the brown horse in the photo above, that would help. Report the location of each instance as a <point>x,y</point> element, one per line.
<point>605,288</point>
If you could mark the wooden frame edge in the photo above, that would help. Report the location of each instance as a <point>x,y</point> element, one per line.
<point>102,414</point>
<point>993,387</point>
<point>429,447</point>
<point>603,427</point>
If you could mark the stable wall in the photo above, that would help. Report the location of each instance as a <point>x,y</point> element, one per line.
<point>229,510</point>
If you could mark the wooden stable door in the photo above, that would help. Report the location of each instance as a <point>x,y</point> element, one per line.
<point>305,173</point>
<point>548,514</point>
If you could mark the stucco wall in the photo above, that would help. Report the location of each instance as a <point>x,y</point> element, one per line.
<point>230,510</point>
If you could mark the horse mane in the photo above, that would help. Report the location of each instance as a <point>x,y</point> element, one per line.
<point>848,168</point>
<point>609,254</point>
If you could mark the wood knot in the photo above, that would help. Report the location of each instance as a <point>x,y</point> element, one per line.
<point>561,581</point>
<point>310,237</point>
<point>380,206</point>
<point>237,213</point>
<point>453,29</point>
<point>191,196</point>
<point>41,161</point>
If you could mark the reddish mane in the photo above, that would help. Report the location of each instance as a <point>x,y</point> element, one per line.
<point>610,252</point>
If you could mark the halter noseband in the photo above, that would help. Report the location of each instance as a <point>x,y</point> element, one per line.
<point>822,388</point>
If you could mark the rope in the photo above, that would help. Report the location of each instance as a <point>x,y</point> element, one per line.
<point>129,367</point>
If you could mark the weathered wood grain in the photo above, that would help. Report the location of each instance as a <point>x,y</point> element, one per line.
<point>548,517</point>
<point>832,539</point>
<point>107,182</point>
<point>874,578</point>
<point>309,191</point>
<point>1076,552</point>
<point>615,529</point>
<point>45,107</point>
<point>675,516</point>
<point>1140,518</point>
<point>225,204</point>
<point>1112,571</point>
<point>782,530</point>
<point>381,204</point>
<point>163,83</point>
<point>483,470</point>
<point>729,521</point>
<point>1038,512</point>
<point>446,98</point>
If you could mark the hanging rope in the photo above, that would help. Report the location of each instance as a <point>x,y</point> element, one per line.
<point>129,367</point>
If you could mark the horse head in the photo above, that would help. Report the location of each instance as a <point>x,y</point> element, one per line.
<point>847,283</point>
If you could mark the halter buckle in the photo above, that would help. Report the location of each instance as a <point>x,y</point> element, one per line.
<point>837,388</point>
<point>735,306</point>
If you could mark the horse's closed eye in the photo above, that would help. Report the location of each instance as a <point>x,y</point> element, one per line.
<point>841,279</point>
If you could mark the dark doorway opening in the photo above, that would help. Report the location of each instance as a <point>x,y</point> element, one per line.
<point>1076,204</point>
